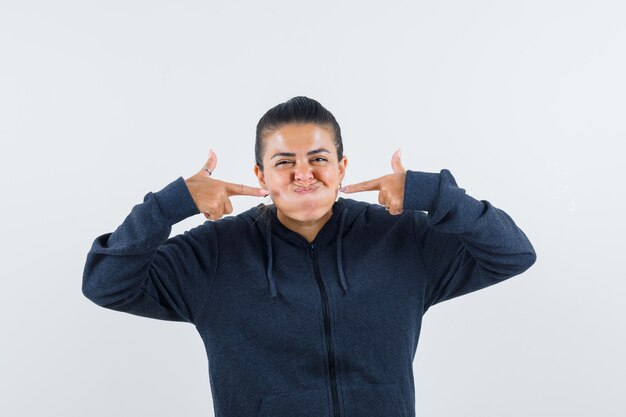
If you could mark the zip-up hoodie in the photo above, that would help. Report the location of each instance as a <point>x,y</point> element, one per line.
<point>297,329</point>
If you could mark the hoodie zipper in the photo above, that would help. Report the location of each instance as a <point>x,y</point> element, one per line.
<point>329,340</point>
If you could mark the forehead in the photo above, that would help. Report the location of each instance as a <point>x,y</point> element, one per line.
<point>299,136</point>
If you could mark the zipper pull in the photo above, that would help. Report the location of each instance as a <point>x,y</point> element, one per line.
<point>312,250</point>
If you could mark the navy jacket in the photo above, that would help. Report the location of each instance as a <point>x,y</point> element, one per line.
<point>298,329</point>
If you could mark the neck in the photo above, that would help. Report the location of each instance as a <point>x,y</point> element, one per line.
<point>306,229</point>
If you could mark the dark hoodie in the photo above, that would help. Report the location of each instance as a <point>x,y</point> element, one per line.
<point>298,329</point>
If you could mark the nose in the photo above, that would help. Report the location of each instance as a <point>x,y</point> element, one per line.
<point>303,173</point>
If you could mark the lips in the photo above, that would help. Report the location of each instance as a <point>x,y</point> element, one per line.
<point>307,190</point>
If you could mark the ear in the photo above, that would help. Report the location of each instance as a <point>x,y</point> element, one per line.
<point>260,176</point>
<point>342,167</point>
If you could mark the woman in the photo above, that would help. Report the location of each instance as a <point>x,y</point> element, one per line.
<point>310,306</point>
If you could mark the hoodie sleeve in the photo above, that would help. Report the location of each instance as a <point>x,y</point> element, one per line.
<point>466,244</point>
<point>137,269</point>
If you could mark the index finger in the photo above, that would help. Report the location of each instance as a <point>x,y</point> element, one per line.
<point>371,185</point>
<point>240,189</point>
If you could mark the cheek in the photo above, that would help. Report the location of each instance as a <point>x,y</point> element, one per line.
<point>276,194</point>
<point>276,185</point>
<point>329,177</point>
<point>279,181</point>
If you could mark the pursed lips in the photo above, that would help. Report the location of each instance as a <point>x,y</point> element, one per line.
<point>305,190</point>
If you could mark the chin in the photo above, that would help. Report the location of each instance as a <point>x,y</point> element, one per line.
<point>307,209</point>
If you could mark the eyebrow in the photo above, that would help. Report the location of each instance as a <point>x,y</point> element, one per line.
<point>308,153</point>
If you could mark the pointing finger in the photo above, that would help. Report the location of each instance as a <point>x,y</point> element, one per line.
<point>370,185</point>
<point>240,189</point>
<point>395,162</point>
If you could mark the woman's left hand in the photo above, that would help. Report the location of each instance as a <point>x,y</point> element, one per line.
<point>390,187</point>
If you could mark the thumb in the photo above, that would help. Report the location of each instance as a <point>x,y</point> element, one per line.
<point>212,161</point>
<point>395,162</point>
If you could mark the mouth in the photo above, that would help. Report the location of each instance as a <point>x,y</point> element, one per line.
<point>306,190</point>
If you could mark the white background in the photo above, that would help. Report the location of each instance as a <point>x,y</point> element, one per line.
<point>523,101</point>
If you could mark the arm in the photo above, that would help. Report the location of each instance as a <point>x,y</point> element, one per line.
<point>465,244</point>
<point>138,270</point>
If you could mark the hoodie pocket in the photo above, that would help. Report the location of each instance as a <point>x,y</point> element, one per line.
<point>303,403</point>
<point>376,400</point>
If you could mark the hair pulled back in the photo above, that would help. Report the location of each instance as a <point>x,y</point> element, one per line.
<point>298,109</point>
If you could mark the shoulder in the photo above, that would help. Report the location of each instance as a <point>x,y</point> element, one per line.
<point>365,215</point>
<point>244,223</point>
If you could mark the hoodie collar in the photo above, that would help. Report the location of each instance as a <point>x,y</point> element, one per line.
<point>332,231</point>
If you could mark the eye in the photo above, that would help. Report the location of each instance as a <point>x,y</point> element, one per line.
<point>316,159</point>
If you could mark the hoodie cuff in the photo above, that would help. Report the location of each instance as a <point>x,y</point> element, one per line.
<point>421,190</point>
<point>175,201</point>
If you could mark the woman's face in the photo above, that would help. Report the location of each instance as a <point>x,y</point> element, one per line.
<point>301,171</point>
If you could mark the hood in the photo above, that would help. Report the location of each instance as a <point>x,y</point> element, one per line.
<point>344,212</point>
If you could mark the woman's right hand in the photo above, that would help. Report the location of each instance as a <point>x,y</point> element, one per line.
<point>212,195</point>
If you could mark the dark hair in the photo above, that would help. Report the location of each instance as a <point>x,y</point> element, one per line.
<point>299,109</point>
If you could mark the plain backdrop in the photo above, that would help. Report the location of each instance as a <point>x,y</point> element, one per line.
<point>523,101</point>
